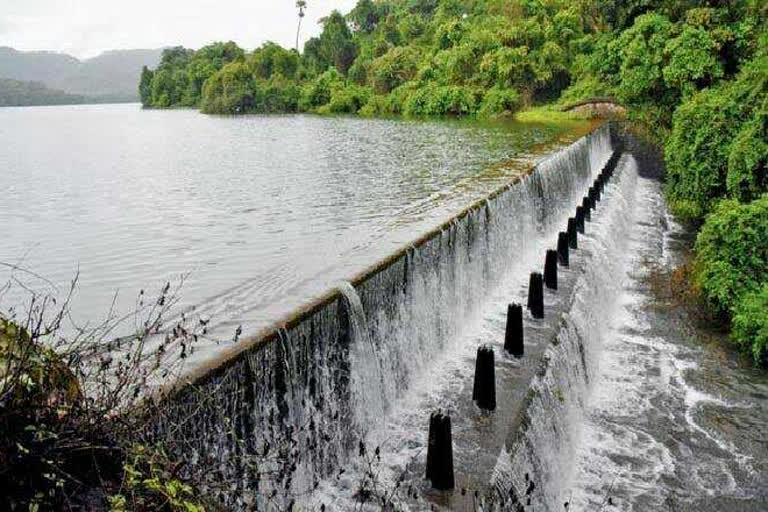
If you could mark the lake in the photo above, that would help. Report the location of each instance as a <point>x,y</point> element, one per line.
<point>260,213</point>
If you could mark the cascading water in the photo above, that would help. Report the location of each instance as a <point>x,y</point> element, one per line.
<point>369,363</point>
<point>543,450</point>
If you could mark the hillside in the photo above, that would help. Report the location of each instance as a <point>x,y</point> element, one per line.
<point>16,93</point>
<point>110,76</point>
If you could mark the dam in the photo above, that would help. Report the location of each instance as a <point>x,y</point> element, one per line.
<point>401,332</point>
<point>364,309</point>
<point>330,410</point>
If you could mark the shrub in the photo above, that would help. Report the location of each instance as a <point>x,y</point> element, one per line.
<point>498,101</point>
<point>377,105</point>
<point>732,253</point>
<point>393,69</point>
<point>450,34</point>
<point>697,151</point>
<point>71,404</point>
<point>399,97</point>
<point>229,91</point>
<point>641,50</point>
<point>505,66</point>
<point>348,100</point>
<point>750,324</point>
<point>358,72</point>
<point>449,100</point>
<point>717,143</point>
<point>280,95</point>
<point>318,92</point>
<point>748,159</point>
<point>692,60</point>
<point>586,88</point>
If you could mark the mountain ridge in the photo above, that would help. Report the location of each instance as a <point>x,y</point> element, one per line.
<point>111,75</point>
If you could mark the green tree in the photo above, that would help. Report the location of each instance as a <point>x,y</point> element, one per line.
<point>692,61</point>
<point>336,44</point>
<point>272,58</point>
<point>365,16</point>
<point>145,86</point>
<point>732,253</point>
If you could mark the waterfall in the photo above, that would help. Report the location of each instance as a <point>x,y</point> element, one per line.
<point>367,399</point>
<point>543,449</point>
<point>298,401</point>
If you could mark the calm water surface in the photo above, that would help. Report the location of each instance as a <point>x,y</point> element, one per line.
<point>261,212</point>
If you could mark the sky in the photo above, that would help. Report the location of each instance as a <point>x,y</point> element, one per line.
<point>85,28</point>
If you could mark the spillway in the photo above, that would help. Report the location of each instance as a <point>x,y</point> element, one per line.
<point>331,408</point>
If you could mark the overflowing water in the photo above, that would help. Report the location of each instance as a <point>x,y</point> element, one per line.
<point>615,405</point>
<point>610,408</point>
<point>672,422</point>
<point>262,212</point>
<point>369,363</point>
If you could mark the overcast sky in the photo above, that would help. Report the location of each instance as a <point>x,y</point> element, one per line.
<point>85,28</point>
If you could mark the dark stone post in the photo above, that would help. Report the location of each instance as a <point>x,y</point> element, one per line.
<point>573,241</point>
<point>580,219</point>
<point>484,391</point>
<point>513,336</point>
<point>585,205</point>
<point>562,248</point>
<point>550,270</point>
<point>536,295</point>
<point>440,452</point>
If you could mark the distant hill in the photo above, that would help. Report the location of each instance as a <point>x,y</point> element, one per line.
<point>16,93</point>
<point>111,76</point>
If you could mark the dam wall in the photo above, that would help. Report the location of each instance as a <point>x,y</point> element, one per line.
<point>274,415</point>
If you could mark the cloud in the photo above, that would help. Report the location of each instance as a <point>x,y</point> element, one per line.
<point>88,27</point>
<point>5,26</point>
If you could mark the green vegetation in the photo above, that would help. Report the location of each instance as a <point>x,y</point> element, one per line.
<point>732,253</point>
<point>14,93</point>
<point>397,57</point>
<point>178,80</point>
<point>731,270</point>
<point>694,71</point>
<point>73,417</point>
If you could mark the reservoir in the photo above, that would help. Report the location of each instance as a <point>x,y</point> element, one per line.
<point>256,213</point>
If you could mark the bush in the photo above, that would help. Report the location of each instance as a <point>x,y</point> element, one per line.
<point>377,105</point>
<point>279,95</point>
<point>748,159</point>
<point>394,68</point>
<point>717,143</point>
<point>449,100</point>
<point>318,92</point>
<point>584,89</point>
<point>692,60</point>
<point>347,100</point>
<point>750,324</point>
<point>498,101</point>
<point>697,151</point>
<point>72,404</point>
<point>230,91</point>
<point>732,253</point>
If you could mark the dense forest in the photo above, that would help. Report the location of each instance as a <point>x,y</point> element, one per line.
<point>694,71</point>
<point>16,93</point>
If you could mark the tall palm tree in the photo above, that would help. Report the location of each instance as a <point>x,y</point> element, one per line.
<point>300,5</point>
